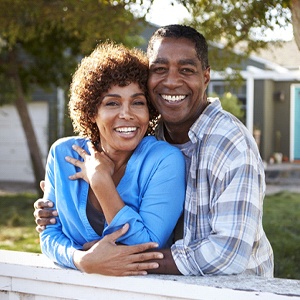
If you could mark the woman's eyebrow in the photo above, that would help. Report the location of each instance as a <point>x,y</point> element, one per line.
<point>112,95</point>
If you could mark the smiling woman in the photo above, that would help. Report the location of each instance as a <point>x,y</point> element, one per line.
<point>122,119</point>
<point>116,174</point>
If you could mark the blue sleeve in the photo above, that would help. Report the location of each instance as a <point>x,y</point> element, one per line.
<point>161,205</point>
<point>54,243</point>
<point>57,247</point>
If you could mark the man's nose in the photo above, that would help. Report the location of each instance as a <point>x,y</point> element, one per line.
<point>172,79</point>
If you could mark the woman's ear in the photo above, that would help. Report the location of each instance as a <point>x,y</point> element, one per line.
<point>92,118</point>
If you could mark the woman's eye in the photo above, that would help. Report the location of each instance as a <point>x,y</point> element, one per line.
<point>111,103</point>
<point>139,102</point>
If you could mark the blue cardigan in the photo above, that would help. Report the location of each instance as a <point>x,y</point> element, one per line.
<point>153,189</point>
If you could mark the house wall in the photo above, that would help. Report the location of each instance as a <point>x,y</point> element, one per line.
<point>263,115</point>
<point>268,119</point>
<point>258,110</point>
<point>14,155</point>
<point>281,118</point>
<point>271,115</point>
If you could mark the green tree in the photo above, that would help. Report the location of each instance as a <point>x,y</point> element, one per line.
<point>232,104</point>
<point>242,24</point>
<point>40,42</point>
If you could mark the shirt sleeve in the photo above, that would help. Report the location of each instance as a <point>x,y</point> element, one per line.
<point>54,243</point>
<point>234,214</point>
<point>57,247</point>
<point>161,204</point>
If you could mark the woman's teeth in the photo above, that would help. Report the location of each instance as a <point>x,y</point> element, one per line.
<point>126,129</point>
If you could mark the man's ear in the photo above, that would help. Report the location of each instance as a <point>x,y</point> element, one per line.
<point>207,76</point>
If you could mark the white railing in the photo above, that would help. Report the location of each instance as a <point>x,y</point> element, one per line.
<point>33,277</point>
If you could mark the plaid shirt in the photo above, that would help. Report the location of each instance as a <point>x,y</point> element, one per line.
<point>223,231</point>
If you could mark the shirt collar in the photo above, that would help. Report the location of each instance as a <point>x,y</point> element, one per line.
<point>200,126</point>
<point>203,123</point>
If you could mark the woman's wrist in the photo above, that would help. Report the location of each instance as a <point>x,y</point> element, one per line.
<point>77,259</point>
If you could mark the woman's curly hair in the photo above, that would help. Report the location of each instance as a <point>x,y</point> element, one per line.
<point>108,65</point>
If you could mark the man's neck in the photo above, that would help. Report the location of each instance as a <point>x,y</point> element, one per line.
<point>176,134</point>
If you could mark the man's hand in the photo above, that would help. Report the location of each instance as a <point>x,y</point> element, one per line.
<point>107,258</point>
<point>43,213</point>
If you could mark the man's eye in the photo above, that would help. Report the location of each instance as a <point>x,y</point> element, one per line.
<point>187,71</point>
<point>159,70</point>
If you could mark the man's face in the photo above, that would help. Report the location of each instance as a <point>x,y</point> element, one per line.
<point>177,82</point>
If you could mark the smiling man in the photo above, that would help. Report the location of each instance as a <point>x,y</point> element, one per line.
<point>223,231</point>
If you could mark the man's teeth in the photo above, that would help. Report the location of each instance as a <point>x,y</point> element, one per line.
<point>126,129</point>
<point>173,98</point>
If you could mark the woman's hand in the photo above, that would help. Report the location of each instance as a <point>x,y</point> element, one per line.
<point>107,258</point>
<point>93,165</point>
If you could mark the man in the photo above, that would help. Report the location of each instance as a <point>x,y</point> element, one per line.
<point>223,231</point>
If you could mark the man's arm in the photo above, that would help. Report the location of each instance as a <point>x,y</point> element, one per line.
<point>166,264</point>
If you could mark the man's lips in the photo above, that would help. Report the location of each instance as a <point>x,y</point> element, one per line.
<point>173,98</point>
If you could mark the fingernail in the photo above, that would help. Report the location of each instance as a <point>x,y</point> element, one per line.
<point>55,214</point>
<point>52,221</point>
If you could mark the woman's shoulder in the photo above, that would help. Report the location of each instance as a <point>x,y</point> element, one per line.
<point>152,145</point>
<point>69,141</point>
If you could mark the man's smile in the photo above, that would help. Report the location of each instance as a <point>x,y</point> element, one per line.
<point>173,98</point>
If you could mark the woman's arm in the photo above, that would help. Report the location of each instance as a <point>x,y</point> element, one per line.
<point>54,243</point>
<point>161,204</point>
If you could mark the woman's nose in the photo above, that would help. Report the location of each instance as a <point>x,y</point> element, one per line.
<point>126,113</point>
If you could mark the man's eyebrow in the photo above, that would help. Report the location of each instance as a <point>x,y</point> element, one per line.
<point>119,96</point>
<point>187,61</point>
<point>160,60</point>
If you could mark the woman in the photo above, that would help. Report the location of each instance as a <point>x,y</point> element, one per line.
<point>128,177</point>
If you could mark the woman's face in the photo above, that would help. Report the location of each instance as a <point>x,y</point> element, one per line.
<point>122,118</point>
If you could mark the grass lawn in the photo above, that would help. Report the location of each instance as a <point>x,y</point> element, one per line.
<point>17,227</point>
<point>281,223</point>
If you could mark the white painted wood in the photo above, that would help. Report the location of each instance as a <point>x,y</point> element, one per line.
<point>30,275</point>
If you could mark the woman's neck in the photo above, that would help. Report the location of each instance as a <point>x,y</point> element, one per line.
<point>119,158</point>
